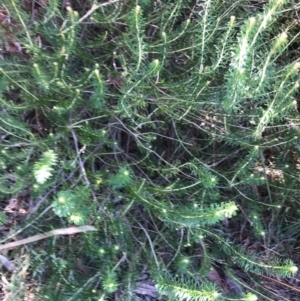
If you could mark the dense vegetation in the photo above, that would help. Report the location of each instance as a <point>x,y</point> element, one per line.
<point>172,127</point>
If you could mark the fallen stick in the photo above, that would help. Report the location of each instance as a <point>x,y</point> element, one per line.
<point>63,231</point>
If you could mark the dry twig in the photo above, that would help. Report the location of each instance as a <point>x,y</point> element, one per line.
<point>63,231</point>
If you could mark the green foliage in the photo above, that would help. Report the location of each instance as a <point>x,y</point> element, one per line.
<point>179,291</point>
<point>64,204</point>
<point>171,126</point>
<point>2,218</point>
<point>110,284</point>
<point>72,205</point>
<point>121,178</point>
<point>43,168</point>
<point>193,216</point>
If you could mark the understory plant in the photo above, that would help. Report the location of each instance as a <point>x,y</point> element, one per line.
<point>170,126</point>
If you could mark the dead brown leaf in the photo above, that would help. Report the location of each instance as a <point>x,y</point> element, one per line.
<point>12,205</point>
<point>214,277</point>
<point>4,17</point>
<point>13,47</point>
<point>146,290</point>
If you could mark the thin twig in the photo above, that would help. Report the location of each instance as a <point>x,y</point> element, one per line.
<point>151,244</point>
<point>89,12</point>
<point>81,165</point>
<point>282,283</point>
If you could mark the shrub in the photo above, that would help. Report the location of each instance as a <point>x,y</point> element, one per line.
<point>171,126</point>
